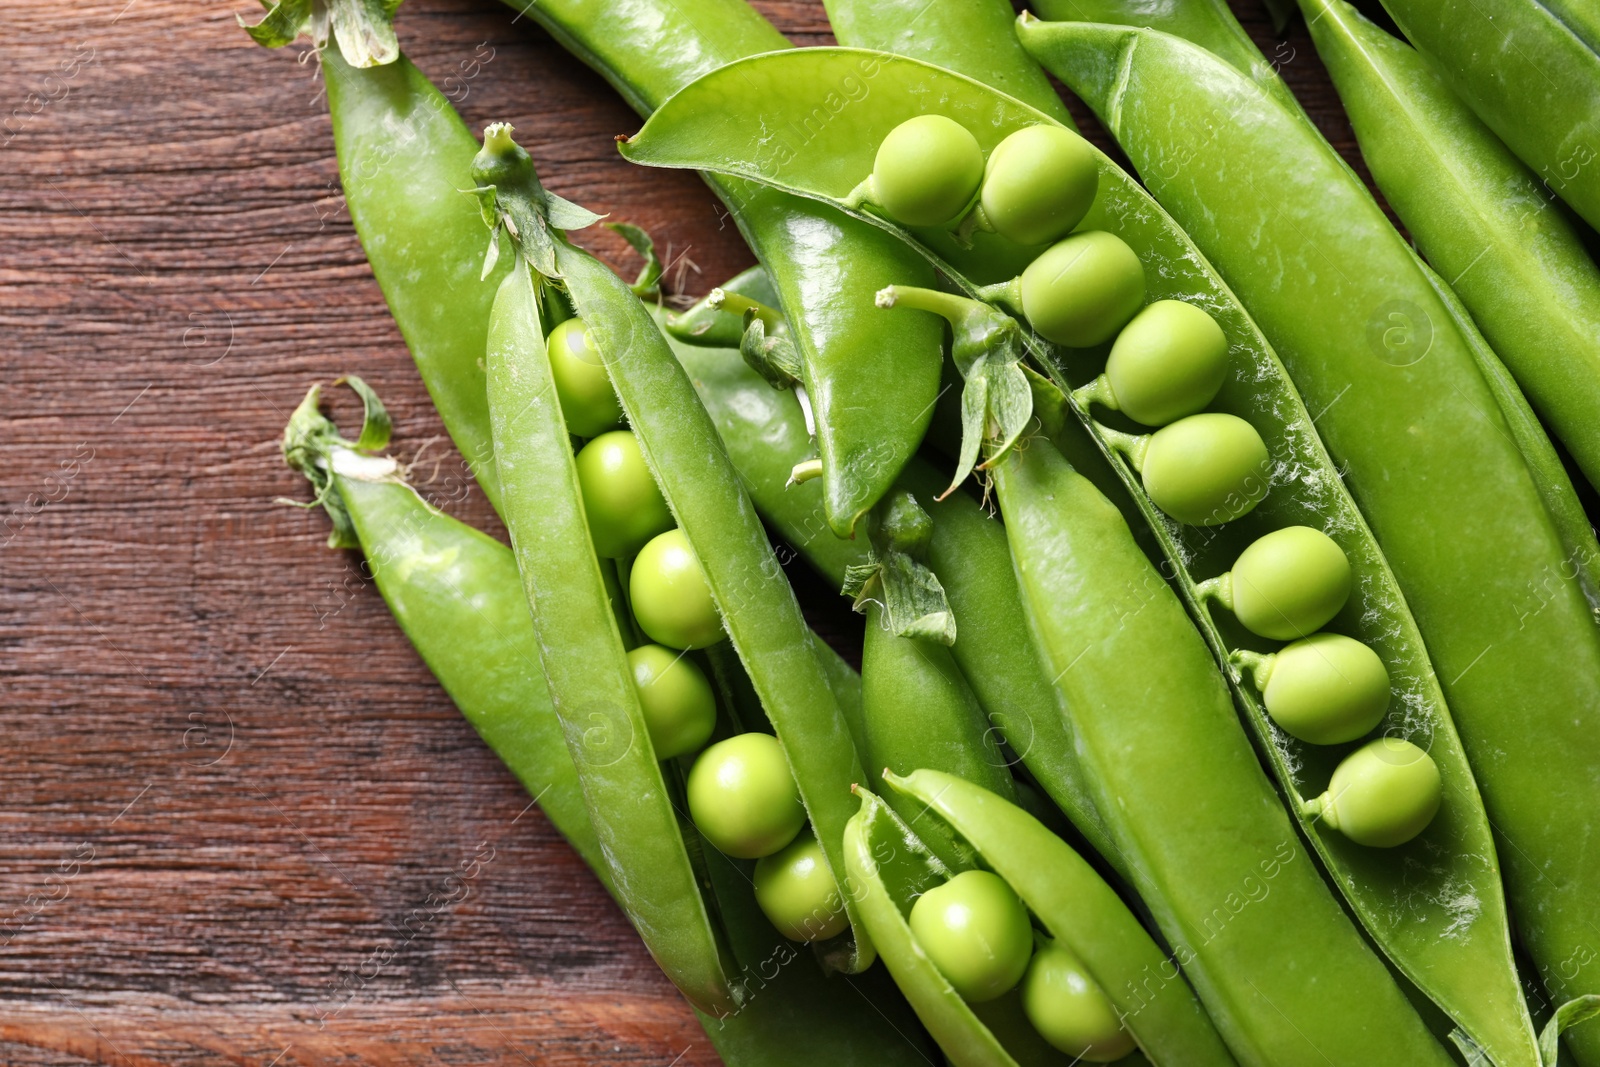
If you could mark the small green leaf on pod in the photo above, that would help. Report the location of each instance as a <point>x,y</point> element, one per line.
<point>1570,1014</point>
<point>914,603</point>
<point>773,357</point>
<point>510,196</point>
<point>375,423</point>
<point>282,23</point>
<point>313,446</point>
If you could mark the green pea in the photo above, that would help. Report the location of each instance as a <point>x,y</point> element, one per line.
<point>1325,689</point>
<point>1168,362</point>
<point>1038,185</point>
<point>797,892</point>
<point>1206,469</point>
<point>1082,290</point>
<point>927,171</point>
<point>588,403</point>
<point>743,797</point>
<point>679,708</point>
<point>1384,794</point>
<point>976,932</point>
<point>670,598</point>
<point>620,498</point>
<point>1289,584</point>
<point>1069,1010</point>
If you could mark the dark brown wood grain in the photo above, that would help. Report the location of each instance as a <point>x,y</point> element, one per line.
<point>228,782</point>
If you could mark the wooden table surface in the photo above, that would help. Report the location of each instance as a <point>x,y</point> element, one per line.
<point>230,788</point>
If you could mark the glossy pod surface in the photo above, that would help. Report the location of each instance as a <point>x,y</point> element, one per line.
<point>764,431</point>
<point>1480,217</point>
<point>1079,568</point>
<point>1430,440</point>
<point>1470,970</point>
<point>648,50</point>
<point>584,658</point>
<point>403,153</point>
<point>1532,80</point>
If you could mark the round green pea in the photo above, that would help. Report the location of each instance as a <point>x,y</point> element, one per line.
<point>670,598</point>
<point>1327,689</point>
<point>1206,469</point>
<point>1384,793</point>
<point>620,498</point>
<point>679,708</point>
<point>1039,184</point>
<point>1082,290</point>
<point>742,797</point>
<point>1069,1010</point>
<point>797,892</point>
<point>588,403</point>
<point>1290,583</point>
<point>927,171</point>
<point>1168,362</point>
<point>976,932</point>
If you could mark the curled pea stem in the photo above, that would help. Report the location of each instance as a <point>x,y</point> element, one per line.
<point>1219,589</point>
<point>719,299</point>
<point>804,471</point>
<point>1096,392</point>
<point>1259,666</point>
<point>1133,446</point>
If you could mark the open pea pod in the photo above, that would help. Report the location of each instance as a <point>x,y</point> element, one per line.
<point>872,386</point>
<point>1453,941</point>
<point>1429,431</point>
<point>686,458</point>
<point>764,431</point>
<point>1078,909</point>
<point>456,594</point>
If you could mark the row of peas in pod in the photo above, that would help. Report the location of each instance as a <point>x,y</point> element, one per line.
<point>741,793</point>
<point>1167,362</point>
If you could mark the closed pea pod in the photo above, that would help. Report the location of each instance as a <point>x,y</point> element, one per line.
<point>1470,971</point>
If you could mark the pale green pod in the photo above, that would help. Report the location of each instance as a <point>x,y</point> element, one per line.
<point>1287,584</point>
<point>1384,794</point>
<point>1326,689</point>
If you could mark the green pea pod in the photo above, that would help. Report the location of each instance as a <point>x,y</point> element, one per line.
<point>920,712</point>
<point>584,658</point>
<point>1456,946</point>
<point>1208,23</point>
<point>1428,432</point>
<point>403,155</point>
<point>1212,851</point>
<point>764,431</point>
<point>1078,909</point>
<point>1530,78</point>
<point>1580,17</point>
<point>872,386</point>
<point>1480,217</point>
<point>455,593</point>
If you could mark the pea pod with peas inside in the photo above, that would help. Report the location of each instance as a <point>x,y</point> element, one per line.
<point>1431,434</point>
<point>456,594</point>
<point>764,431</point>
<point>866,431</point>
<point>1126,989</point>
<point>717,526</point>
<point>1469,971</point>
